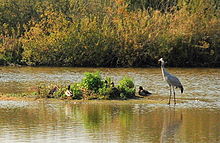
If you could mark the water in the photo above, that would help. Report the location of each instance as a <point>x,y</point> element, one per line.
<point>194,120</point>
<point>69,122</point>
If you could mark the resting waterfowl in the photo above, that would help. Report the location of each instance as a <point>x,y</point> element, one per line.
<point>115,92</point>
<point>112,84</point>
<point>52,91</point>
<point>68,93</point>
<point>143,92</point>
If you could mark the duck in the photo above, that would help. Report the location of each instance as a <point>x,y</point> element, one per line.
<point>143,92</point>
<point>115,91</point>
<point>112,85</point>
<point>53,90</point>
<point>68,93</point>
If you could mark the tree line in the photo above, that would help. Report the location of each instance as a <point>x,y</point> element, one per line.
<point>110,33</point>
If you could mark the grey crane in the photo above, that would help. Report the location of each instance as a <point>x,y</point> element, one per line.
<point>172,80</point>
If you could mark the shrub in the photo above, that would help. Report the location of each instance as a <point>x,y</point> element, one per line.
<point>76,90</point>
<point>110,33</point>
<point>60,93</point>
<point>92,81</point>
<point>10,51</point>
<point>110,93</point>
<point>126,88</point>
<point>93,87</point>
<point>126,82</point>
<point>104,93</point>
<point>126,92</point>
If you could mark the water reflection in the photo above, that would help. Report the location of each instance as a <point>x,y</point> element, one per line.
<point>172,122</point>
<point>67,121</point>
<point>64,121</point>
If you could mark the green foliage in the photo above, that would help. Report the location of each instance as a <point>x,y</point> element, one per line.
<point>18,95</point>
<point>76,90</point>
<point>91,87</point>
<point>126,93</point>
<point>126,88</point>
<point>109,93</point>
<point>60,93</point>
<point>92,81</point>
<point>126,82</point>
<point>104,92</point>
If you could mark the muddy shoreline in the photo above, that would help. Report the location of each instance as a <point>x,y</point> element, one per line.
<point>154,99</point>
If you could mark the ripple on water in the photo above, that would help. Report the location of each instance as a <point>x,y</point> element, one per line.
<point>185,104</point>
<point>197,104</point>
<point>14,104</point>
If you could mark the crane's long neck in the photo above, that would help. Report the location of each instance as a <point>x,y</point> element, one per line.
<point>164,72</point>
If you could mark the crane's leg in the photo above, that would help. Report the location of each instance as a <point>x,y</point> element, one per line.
<point>174,95</point>
<point>170,95</point>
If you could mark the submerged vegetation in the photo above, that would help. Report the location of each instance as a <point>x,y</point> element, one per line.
<point>92,86</point>
<point>109,33</point>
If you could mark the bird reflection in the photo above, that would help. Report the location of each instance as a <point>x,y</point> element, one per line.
<point>171,124</point>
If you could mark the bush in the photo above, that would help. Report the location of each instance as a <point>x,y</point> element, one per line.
<point>76,90</point>
<point>60,93</point>
<point>126,92</point>
<point>10,51</point>
<point>104,92</point>
<point>126,88</point>
<point>92,87</point>
<point>92,81</point>
<point>110,33</point>
<point>126,82</point>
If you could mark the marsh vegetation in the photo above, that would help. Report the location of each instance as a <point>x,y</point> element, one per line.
<point>92,86</point>
<point>109,33</point>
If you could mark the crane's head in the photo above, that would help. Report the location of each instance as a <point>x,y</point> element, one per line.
<point>161,60</point>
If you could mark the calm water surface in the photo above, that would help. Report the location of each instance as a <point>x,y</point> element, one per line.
<point>196,120</point>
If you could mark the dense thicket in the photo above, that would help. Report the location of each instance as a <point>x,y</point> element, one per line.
<point>110,33</point>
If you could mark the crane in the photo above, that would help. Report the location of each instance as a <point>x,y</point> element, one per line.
<point>172,80</point>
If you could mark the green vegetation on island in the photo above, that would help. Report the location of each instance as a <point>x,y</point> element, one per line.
<point>109,33</point>
<point>92,86</point>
